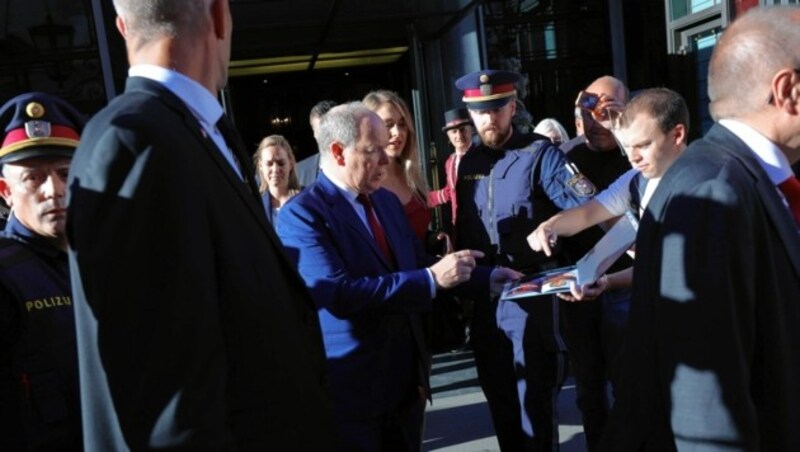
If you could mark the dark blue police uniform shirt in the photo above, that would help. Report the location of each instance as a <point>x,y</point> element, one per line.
<point>38,353</point>
<point>503,195</point>
<point>55,277</point>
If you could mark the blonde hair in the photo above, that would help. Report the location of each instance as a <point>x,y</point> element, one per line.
<point>409,157</point>
<point>277,141</point>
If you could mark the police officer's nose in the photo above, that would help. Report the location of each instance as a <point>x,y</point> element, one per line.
<point>55,186</point>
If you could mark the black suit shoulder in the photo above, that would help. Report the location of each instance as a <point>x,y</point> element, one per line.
<point>704,171</point>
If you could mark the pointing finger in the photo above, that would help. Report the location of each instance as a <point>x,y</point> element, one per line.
<point>475,254</point>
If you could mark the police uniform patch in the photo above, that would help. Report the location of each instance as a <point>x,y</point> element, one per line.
<point>581,185</point>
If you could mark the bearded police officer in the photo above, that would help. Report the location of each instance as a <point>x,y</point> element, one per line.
<point>39,403</point>
<point>506,186</point>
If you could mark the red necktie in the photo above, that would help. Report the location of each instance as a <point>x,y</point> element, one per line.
<point>377,230</point>
<point>791,190</point>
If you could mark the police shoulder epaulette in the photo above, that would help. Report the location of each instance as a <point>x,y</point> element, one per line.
<point>12,252</point>
<point>538,142</point>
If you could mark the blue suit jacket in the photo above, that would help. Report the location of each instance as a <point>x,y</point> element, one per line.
<point>369,313</point>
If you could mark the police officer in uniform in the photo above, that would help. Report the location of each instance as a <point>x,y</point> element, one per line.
<point>39,402</point>
<point>506,186</point>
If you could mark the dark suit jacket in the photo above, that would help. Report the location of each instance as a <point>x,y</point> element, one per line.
<point>307,170</point>
<point>194,329</point>
<point>712,360</point>
<point>368,312</point>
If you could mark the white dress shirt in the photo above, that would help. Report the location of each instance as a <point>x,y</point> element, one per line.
<point>768,154</point>
<point>203,105</point>
<point>617,197</point>
<point>350,195</point>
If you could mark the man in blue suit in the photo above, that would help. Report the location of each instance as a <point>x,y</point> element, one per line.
<point>370,279</point>
<point>711,360</point>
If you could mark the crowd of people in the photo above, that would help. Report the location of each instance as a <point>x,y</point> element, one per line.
<point>163,287</point>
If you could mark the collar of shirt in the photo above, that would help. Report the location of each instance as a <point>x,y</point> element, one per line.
<point>767,153</point>
<point>17,231</point>
<point>203,105</point>
<point>652,184</point>
<point>199,100</point>
<point>350,195</point>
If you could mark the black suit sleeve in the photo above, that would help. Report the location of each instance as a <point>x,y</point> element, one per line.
<point>707,314</point>
<point>146,267</point>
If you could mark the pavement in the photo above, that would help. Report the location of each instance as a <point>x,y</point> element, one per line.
<point>459,419</point>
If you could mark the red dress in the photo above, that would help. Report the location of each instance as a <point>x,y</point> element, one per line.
<point>419,216</point>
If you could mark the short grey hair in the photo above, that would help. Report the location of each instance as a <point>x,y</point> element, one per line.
<point>341,124</point>
<point>148,19</point>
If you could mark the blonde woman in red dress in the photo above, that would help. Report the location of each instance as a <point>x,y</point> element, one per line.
<point>404,173</point>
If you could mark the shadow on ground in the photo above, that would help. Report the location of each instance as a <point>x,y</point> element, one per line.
<point>459,419</point>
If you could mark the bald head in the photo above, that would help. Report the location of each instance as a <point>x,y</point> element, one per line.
<point>610,86</point>
<point>611,92</point>
<point>748,56</point>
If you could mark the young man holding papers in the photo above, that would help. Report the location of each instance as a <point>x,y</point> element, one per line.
<point>653,131</point>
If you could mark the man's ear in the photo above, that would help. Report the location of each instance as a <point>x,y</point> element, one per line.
<point>121,27</point>
<point>337,151</point>
<point>785,91</point>
<point>680,134</point>
<point>219,11</point>
<point>5,191</point>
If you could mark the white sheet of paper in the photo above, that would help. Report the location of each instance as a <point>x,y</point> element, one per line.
<point>606,251</point>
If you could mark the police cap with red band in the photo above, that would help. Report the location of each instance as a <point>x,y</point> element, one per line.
<point>488,89</point>
<point>38,125</point>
